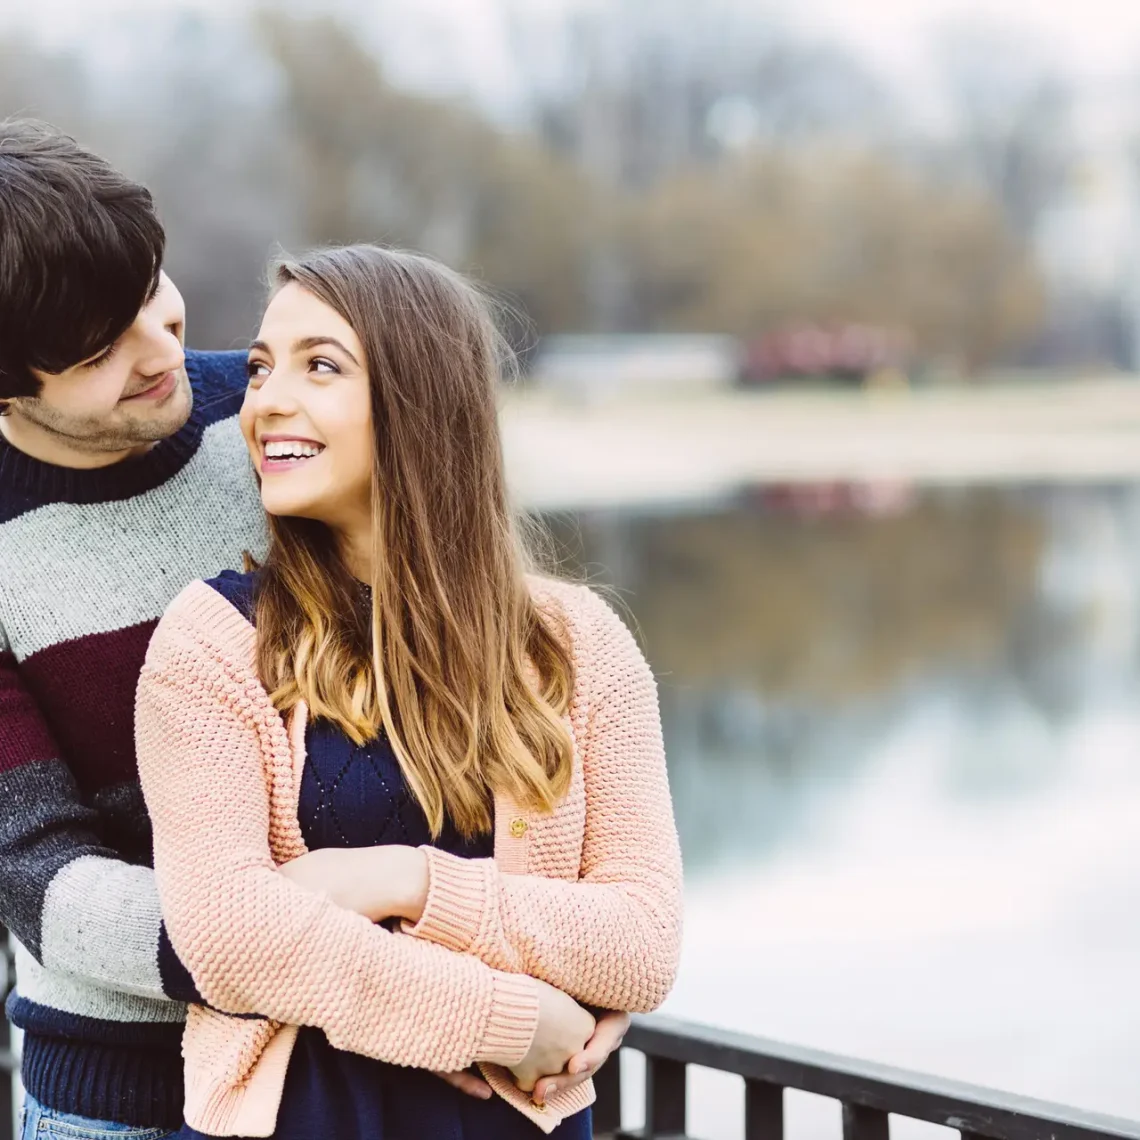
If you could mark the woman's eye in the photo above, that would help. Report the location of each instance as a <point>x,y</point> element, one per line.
<point>323,365</point>
<point>255,369</point>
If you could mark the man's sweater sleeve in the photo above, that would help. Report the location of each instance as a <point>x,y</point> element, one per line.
<point>72,902</point>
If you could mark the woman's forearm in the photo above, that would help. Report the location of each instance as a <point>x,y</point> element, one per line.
<point>379,883</point>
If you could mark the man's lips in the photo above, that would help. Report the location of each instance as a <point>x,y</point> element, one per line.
<point>157,391</point>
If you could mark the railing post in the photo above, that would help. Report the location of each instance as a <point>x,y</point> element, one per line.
<point>861,1123</point>
<point>8,1067</point>
<point>665,1098</point>
<point>7,1073</point>
<point>763,1111</point>
<point>607,1107</point>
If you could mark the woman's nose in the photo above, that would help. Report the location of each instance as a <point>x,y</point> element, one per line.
<point>273,396</point>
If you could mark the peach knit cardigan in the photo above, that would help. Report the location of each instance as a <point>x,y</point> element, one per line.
<point>587,898</point>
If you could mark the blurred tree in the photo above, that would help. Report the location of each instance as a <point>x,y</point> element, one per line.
<point>636,92</point>
<point>203,136</point>
<point>664,187</point>
<point>211,144</point>
<point>371,162</point>
<point>1010,118</point>
<point>821,235</point>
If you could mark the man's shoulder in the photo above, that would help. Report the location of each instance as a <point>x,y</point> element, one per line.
<point>219,381</point>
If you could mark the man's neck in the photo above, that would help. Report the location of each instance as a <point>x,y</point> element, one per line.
<point>48,447</point>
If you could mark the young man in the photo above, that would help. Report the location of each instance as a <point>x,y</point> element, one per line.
<point>123,476</point>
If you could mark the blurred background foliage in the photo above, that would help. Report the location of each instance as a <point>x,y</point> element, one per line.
<point>647,173</point>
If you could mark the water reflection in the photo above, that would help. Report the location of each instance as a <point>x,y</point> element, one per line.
<point>904,754</point>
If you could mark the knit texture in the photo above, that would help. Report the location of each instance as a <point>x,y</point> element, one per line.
<point>221,772</point>
<point>88,562</point>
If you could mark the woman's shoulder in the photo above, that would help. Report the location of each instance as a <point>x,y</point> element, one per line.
<point>607,657</point>
<point>238,588</point>
<point>559,599</point>
<point>211,616</point>
<point>579,609</point>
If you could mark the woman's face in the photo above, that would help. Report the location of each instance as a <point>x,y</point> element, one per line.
<point>307,416</point>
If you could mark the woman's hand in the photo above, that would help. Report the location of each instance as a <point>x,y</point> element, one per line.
<point>564,1029</point>
<point>377,882</point>
<point>467,1082</point>
<point>608,1036</point>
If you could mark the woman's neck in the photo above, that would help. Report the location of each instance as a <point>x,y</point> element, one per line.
<point>356,550</point>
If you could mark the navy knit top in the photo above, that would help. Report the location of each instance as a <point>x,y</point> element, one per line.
<point>356,796</point>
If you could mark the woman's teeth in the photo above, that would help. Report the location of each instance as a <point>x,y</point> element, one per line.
<point>291,449</point>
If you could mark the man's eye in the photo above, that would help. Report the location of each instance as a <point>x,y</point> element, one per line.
<point>103,357</point>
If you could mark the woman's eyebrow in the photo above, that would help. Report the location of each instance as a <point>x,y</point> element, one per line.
<point>306,343</point>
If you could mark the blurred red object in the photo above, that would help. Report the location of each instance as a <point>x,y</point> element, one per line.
<point>849,352</point>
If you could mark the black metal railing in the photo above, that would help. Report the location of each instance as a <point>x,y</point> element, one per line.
<point>8,1066</point>
<point>868,1093</point>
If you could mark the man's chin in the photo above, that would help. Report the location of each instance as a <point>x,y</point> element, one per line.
<point>164,419</point>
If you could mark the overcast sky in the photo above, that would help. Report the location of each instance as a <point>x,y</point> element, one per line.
<point>1098,39</point>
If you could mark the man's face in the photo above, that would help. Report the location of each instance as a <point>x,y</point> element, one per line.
<point>133,394</point>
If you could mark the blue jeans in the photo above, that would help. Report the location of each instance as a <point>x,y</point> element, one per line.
<point>40,1123</point>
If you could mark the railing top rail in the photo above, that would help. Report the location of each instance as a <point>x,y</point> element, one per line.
<point>968,1108</point>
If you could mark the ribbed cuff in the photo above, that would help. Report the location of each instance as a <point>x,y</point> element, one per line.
<point>458,893</point>
<point>513,1021</point>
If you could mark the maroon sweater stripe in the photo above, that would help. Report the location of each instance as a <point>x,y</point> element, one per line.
<point>86,689</point>
<point>26,737</point>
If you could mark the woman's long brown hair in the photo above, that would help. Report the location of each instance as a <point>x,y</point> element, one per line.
<point>452,659</point>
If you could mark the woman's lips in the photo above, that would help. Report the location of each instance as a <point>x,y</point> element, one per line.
<point>283,463</point>
<point>276,466</point>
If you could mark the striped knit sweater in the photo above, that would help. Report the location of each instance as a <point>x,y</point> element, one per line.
<point>88,562</point>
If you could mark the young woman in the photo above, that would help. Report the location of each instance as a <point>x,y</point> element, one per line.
<point>410,805</point>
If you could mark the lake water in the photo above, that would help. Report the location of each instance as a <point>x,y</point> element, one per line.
<point>904,746</point>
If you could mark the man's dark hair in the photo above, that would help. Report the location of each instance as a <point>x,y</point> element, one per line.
<point>81,248</point>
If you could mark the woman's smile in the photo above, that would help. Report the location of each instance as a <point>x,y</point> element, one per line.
<point>285,452</point>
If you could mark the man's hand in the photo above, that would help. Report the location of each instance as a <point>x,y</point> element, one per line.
<point>608,1036</point>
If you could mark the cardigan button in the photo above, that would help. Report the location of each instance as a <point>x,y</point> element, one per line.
<point>519,827</point>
